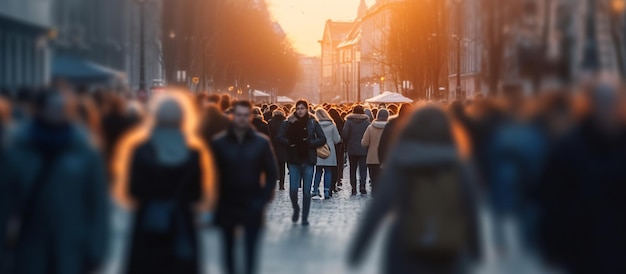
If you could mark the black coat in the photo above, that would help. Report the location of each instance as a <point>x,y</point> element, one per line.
<point>151,181</point>
<point>582,195</point>
<point>274,125</point>
<point>242,197</point>
<point>315,136</point>
<point>353,132</point>
<point>261,126</point>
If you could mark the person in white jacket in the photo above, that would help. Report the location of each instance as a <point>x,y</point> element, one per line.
<point>324,166</point>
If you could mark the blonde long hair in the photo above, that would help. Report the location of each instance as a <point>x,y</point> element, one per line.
<point>322,115</point>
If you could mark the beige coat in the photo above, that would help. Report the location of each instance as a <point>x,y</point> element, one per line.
<point>371,141</point>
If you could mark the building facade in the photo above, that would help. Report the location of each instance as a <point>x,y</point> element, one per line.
<point>25,32</point>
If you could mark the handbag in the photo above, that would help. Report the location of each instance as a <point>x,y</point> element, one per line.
<point>159,215</point>
<point>323,152</point>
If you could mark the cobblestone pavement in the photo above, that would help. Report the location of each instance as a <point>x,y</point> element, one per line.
<point>286,247</point>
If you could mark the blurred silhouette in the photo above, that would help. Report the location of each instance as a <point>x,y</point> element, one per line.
<point>427,185</point>
<point>281,153</point>
<point>243,156</point>
<point>165,182</point>
<point>259,123</point>
<point>389,135</point>
<point>302,135</point>
<point>53,199</point>
<point>353,130</point>
<point>339,151</point>
<point>324,166</point>
<point>371,141</point>
<point>582,192</point>
<point>213,121</point>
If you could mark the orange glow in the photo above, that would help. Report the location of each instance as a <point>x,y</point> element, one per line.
<point>303,20</point>
<point>139,135</point>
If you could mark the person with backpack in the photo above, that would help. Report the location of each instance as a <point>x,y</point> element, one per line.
<point>243,156</point>
<point>353,131</point>
<point>426,184</point>
<point>301,134</point>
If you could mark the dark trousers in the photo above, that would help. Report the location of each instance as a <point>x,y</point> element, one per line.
<point>281,175</point>
<point>341,159</point>
<point>360,163</point>
<point>251,235</point>
<point>374,174</point>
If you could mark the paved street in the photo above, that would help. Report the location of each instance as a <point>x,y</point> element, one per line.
<point>286,248</point>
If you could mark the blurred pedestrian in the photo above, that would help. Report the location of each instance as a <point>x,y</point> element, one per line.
<point>339,151</point>
<point>243,156</point>
<point>371,141</point>
<point>354,128</point>
<point>281,153</point>
<point>426,185</point>
<point>583,191</point>
<point>325,165</point>
<point>389,135</point>
<point>212,122</point>
<point>168,175</point>
<point>53,194</point>
<point>302,135</point>
<point>259,123</point>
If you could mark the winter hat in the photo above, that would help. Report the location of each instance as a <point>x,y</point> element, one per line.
<point>383,115</point>
<point>358,109</point>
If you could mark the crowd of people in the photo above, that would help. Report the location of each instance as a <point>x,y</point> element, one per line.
<point>549,170</point>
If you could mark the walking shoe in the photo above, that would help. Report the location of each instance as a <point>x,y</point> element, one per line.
<point>296,215</point>
<point>305,223</point>
<point>316,197</point>
<point>339,183</point>
<point>353,191</point>
<point>363,191</point>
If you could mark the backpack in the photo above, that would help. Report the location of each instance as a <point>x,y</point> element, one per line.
<point>436,224</point>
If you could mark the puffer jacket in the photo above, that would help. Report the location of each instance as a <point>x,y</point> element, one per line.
<point>315,136</point>
<point>353,131</point>
<point>371,141</point>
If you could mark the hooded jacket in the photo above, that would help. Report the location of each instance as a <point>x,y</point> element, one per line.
<point>371,141</point>
<point>353,131</point>
<point>315,139</point>
<point>332,138</point>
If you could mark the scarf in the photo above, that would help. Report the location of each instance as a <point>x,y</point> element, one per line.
<point>299,133</point>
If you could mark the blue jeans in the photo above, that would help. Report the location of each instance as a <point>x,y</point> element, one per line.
<point>301,173</point>
<point>328,172</point>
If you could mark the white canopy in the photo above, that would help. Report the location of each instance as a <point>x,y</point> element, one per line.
<point>258,93</point>
<point>284,99</point>
<point>389,97</point>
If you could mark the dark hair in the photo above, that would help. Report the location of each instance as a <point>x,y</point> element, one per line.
<point>358,109</point>
<point>243,103</point>
<point>214,98</point>
<point>429,125</point>
<point>303,102</point>
<point>225,102</point>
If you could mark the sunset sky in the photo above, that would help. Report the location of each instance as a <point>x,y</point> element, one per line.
<point>303,20</point>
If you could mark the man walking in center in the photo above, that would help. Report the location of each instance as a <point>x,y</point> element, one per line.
<point>301,134</point>
<point>243,156</point>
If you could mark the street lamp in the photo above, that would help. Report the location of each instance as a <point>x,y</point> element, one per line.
<point>142,54</point>
<point>382,84</point>
<point>458,48</point>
